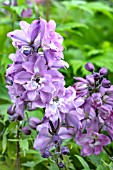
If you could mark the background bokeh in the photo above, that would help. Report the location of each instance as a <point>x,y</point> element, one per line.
<point>87,28</point>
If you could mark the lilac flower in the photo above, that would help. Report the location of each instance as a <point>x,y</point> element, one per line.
<point>60,103</point>
<point>28,37</point>
<point>45,140</point>
<point>36,80</point>
<point>92,142</point>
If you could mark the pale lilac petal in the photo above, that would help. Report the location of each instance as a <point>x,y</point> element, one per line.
<point>41,142</point>
<point>22,77</point>
<point>24,26</point>
<point>65,133</point>
<point>72,120</point>
<point>18,35</point>
<point>29,66</point>
<point>45,97</point>
<point>98,149</point>
<point>86,150</point>
<point>104,140</point>
<point>31,95</point>
<point>40,66</point>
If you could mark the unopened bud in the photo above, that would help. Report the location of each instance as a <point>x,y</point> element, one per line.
<point>46,154</point>
<point>89,66</point>
<point>96,76</point>
<point>61,165</point>
<point>33,122</point>
<point>106,83</point>
<point>26,130</point>
<point>11,110</point>
<point>64,150</point>
<point>103,71</point>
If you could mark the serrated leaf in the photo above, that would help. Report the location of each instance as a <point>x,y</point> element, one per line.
<point>83,162</point>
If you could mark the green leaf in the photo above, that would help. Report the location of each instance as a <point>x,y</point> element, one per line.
<point>24,144</point>
<point>53,166</point>
<point>4,93</point>
<point>70,25</point>
<point>83,162</point>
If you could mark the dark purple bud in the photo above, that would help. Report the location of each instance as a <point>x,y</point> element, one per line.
<point>19,117</point>
<point>103,71</point>
<point>26,130</point>
<point>61,165</point>
<point>96,76</point>
<point>106,83</point>
<point>11,110</point>
<point>56,138</point>
<point>33,122</point>
<point>89,66</point>
<point>65,150</point>
<point>46,154</point>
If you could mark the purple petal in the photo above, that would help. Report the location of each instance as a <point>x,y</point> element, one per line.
<point>104,140</point>
<point>97,149</point>
<point>86,150</point>
<point>22,77</point>
<point>33,30</point>
<point>65,133</point>
<point>29,66</point>
<point>40,66</point>
<point>24,26</point>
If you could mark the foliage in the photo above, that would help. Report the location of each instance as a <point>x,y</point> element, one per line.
<point>88,36</point>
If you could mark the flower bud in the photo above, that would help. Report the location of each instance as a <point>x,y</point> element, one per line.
<point>96,76</point>
<point>61,165</point>
<point>64,150</point>
<point>11,110</point>
<point>89,66</point>
<point>26,130</point>
<point>103,71</point>
<point>106,83</point>
<point>33,122</point>
<point>46,154</point>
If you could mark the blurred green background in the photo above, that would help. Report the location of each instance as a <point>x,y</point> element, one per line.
<point>87,28</point>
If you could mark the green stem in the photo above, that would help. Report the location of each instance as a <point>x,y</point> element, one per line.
<point>47,9</point>
<point>18,149</point>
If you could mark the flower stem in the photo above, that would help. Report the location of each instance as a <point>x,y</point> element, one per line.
<point>47,9</point>
<point>18,149</point>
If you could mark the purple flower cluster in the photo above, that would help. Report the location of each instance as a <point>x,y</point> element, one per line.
<point>97,92</point>
<point>83,110</point>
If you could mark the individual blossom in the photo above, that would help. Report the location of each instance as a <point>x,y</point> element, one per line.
<point>51,135</point>
<point>36,80</point>
<point>28,38</point>
<point>92,142</point>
